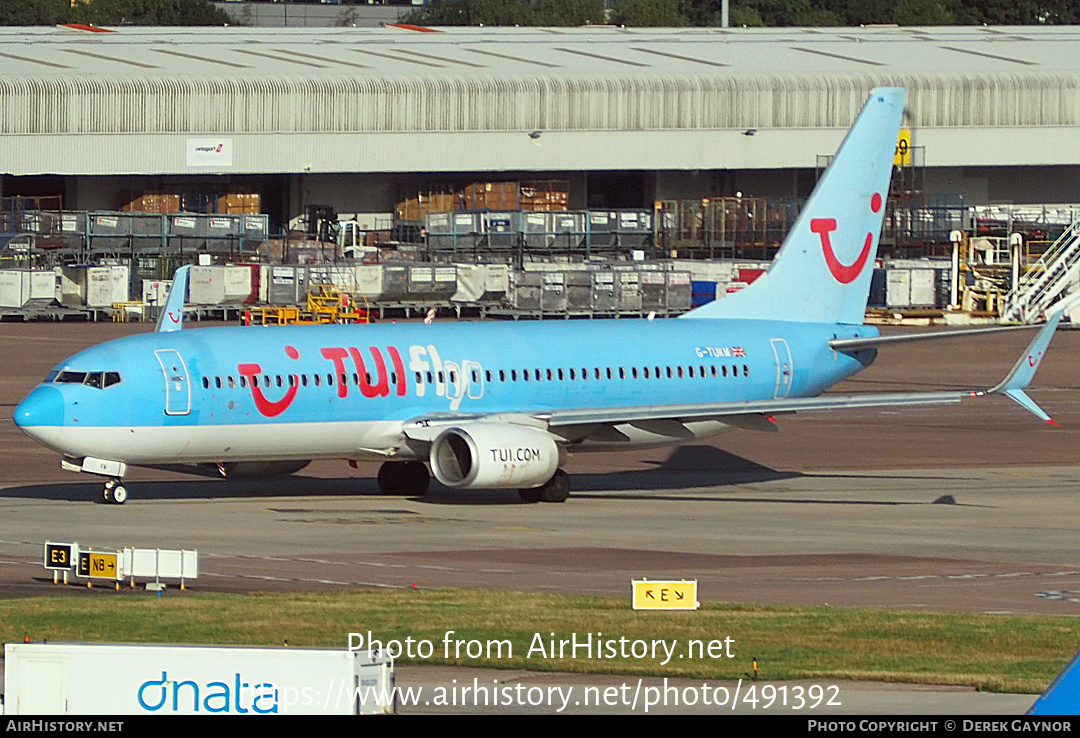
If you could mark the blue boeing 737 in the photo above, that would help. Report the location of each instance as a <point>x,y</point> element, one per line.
<point>499,405</point>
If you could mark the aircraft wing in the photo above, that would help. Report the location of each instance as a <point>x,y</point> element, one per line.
<point>1012,387</point>
<point>751,414</point>
<point>724,411</point>
<point>852,345</point>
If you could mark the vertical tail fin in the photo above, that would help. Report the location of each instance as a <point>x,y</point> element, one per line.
<point>172,315</point>
<point>822,271</point>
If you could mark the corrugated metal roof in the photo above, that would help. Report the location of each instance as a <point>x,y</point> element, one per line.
<point>584,82</point>
<point>588,51</point>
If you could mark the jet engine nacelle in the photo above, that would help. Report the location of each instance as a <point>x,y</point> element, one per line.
<point>494,455</point>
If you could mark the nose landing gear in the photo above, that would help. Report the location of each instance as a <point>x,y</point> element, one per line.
<point>114,492</point>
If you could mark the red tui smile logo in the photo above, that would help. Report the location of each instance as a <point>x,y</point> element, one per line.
<point>269,408</point>
<point>844,273</point>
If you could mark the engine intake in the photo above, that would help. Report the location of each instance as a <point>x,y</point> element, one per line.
<point>494,455</point>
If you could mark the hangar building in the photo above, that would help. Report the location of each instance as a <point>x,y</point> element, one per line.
<point>359,118</point>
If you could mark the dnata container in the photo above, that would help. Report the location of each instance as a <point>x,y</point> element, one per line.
<point>106,679</point>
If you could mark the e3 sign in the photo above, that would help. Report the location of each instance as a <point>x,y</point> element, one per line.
<point>60,555</point>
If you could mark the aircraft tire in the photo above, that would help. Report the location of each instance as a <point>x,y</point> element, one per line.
<point>530,496</point>
<point>106,494</point>
<point>557,489</point>
<point>404,478</point>
<point>417,479</point>
<point>390,478</point>
<point>119,494</point>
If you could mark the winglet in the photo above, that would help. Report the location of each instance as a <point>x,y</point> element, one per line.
<point>172,315</point>
<point>1024,371</point>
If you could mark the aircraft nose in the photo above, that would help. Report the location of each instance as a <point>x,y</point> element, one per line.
<point>43,406</point>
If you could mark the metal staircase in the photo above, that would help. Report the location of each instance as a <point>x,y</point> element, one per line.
<point>1046,282</point>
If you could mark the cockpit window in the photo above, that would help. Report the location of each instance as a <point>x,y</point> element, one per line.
<point>100,380</point>
<point>71,377</point>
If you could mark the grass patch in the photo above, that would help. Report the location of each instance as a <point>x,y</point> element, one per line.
<point>990,652</point>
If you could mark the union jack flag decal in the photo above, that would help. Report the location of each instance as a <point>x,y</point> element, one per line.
<point>738,351</point>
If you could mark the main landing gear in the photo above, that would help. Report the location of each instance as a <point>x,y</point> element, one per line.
<point>114,493</point>
<point>556,489</point>
<point>404,478</point>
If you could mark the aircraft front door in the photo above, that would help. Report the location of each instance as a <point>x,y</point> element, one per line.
<point>785,370</point>
<point>177,383</point>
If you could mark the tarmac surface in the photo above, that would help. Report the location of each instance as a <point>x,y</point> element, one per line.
<point>968,507</point>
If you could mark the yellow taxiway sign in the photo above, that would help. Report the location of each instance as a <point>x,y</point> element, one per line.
<point>664,595</point>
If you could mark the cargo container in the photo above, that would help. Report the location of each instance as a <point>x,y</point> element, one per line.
<point>501,229</point>
<point>95,286</point>
<point>18,287</point>
<point>156,291</point>
<point>395,282</point>
<point>923,288</point>
<point>679,296</point>
<point>603,291</point>
<point>107,679</point>
<point>627,291</point>
<point>898,288</point>
<point>653,285</point>
<point>219,285</point>
<point>369,280</point>
<point>526,290</point>
<point>578,286</point>
<point>553,297</point>
<point>481,282</point>
<point>285,286</point>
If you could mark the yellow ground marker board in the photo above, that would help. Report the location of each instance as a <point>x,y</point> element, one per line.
<point>661,594</point>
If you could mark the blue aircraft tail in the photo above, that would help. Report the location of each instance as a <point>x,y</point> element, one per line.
<point>822,272</point>
<point>172,315</point>
<point>1062,697</point>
